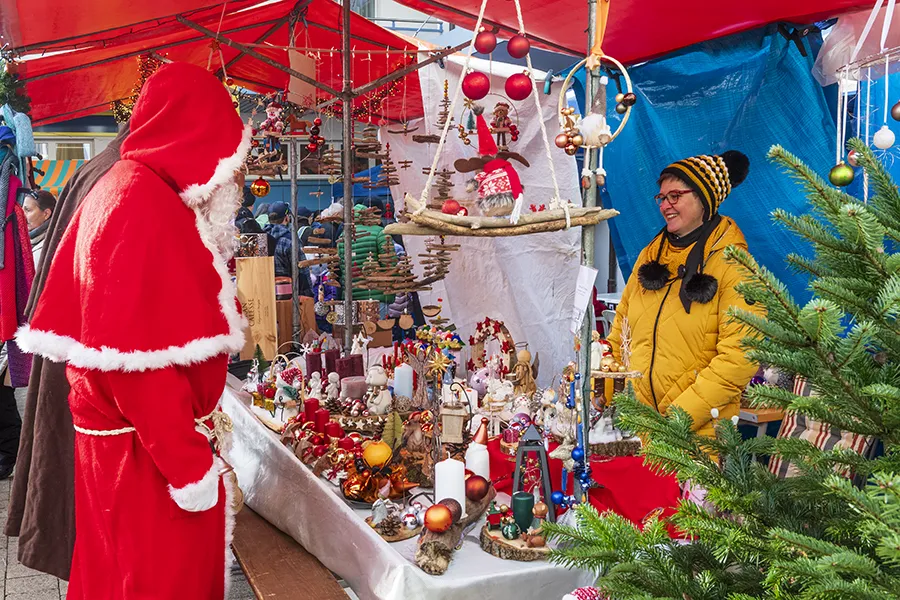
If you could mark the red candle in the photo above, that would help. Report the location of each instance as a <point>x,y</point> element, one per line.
<point>331,357</point>
<point>334,430</point>
<point>321,419</point>
<point>310,406</point>
<point>313,363</point>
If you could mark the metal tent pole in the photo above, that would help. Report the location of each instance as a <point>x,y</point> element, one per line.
<point>293,160</point>
<point>592,89</point>
<point>347,101</point>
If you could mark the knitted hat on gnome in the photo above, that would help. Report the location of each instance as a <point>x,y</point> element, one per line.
<point>499,186</point>
<point>711,178</point>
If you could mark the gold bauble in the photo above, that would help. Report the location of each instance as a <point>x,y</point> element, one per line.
<point>607,361</point>
<point>571,150</point>
<point>622,369</point>
<point>562,140</point>
<point>619,97</point>
<point>577,140</point>
<point>260,188</point>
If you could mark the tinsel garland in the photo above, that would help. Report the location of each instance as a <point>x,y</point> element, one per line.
<point>147,66</point>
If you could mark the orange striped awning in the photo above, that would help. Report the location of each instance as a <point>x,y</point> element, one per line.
<point>56,173</point>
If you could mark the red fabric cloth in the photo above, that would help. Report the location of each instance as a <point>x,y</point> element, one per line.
<point>630,488</point>
<point>15,232</point>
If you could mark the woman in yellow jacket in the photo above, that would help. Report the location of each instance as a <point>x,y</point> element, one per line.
<point>676,300</point>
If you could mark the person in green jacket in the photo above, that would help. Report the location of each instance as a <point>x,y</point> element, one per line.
<point>362,247</point>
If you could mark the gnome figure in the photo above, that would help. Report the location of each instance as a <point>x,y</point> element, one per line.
<point>499,187</point>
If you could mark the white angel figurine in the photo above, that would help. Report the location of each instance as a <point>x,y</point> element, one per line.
<point>315,386</point>
<point>333,389</point>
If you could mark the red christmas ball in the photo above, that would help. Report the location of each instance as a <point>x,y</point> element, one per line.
<point>518,46</point>
<point>269,393</point>
<point>485,42</point>
<point>477,487</point>
<point>346,443</point>
<point>450,207</point>
<point>320,451</point>
<point>518,86</point>
<point>438,518</point>
<point>229,81</point>
<point>455,508</point>
<point>476,85</point>
<point>317,122</point>
<point>318,439</point>
<point>312,147</point>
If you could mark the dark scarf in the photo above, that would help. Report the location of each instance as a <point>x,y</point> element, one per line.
<point>37,234</point>
<point>696,286</point>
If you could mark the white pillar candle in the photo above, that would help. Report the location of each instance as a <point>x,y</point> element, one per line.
<point>450,482</point>
<point>403,380</point>
<point>472,399</point>
<point>478,460</point>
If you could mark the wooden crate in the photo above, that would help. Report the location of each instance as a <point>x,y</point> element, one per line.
<point>256,293</point>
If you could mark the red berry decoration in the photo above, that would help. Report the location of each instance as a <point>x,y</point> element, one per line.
<point>450,207</point>
<point>518,46</point>
<point>518,86</point>
<point>476,85</point>
<point>485,42</point>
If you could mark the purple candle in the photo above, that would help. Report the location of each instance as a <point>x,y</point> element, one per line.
<point>313,363</point>
<point>342,367</point>
<point>356,365</point>
<point>331,357</point>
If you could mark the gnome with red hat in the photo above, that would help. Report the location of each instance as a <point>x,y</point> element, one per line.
<point>499,188</point>
<point>140,305</point>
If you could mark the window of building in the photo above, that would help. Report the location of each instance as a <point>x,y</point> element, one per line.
<point>73,150</point>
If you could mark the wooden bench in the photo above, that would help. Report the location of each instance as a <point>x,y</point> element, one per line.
<point>276,566</point>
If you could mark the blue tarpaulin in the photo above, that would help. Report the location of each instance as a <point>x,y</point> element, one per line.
<point>744,92</point>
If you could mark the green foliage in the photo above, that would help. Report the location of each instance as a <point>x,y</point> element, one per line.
<point>833,530</point>
<point>261,361</point>
<point>12,91</point>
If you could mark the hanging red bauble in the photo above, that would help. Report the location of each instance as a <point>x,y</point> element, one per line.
<point>518,86</point>
<point>259,188</point>
<point>518,46</point>
<point>317,122</point>
<point>312,147</point>
<point>485,42</point>
<point>314,130</point>
<point>476,85</point>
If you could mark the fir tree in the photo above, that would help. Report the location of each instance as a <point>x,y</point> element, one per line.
<point>833,531</point>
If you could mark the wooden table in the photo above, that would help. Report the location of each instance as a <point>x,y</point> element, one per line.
<point>761,417</point>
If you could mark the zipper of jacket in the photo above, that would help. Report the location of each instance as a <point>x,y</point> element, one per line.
<point>653,353</point>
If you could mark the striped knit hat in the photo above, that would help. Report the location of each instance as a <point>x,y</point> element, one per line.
<point>711,177</point>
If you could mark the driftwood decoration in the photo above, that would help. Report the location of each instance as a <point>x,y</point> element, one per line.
<point>435,550</point>
<point>495,544</point>
<point>430,222</point>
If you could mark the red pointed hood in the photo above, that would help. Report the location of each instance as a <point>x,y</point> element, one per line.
<point>185,128</point>
<point>486,144</point>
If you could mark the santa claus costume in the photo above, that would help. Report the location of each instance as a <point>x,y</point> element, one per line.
<point>140,305</point>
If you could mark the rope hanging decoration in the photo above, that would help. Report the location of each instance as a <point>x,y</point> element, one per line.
<point>561,214</point>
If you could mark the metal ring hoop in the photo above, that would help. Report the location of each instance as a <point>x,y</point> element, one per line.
<point>568,80</point>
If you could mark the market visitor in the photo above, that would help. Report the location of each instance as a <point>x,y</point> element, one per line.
<point>676,299</point>
<point>279,227</point>
<point>38,207</point>
<point>41,508</point>
<point>147,330</point>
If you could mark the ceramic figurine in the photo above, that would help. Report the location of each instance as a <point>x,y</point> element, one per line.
<point>524,374</point>
<point>378,398</point>
<point>333,389</point>
<point>315,386</point>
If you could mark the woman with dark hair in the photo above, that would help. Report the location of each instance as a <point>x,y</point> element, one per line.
<point>38,207</point>
<point>676,300</point>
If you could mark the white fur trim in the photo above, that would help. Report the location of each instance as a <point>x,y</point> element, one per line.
<point>59,348</point>
<point>200,495</point>
<point>229,529</point>
<point>196,193</point>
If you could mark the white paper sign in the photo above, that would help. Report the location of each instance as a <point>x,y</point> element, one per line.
<point>583,287</point>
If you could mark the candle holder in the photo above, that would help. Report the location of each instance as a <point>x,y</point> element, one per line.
<point>533,441</point>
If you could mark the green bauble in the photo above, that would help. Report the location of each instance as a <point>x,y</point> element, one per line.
<point>511,531</point>
<point>841,175</point>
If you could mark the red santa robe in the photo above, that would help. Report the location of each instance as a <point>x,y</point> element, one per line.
<point>140,305</point>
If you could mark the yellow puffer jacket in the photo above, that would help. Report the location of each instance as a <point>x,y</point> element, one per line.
<point>694,361</point>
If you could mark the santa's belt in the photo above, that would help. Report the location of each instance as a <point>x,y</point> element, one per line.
<point>221,427</point>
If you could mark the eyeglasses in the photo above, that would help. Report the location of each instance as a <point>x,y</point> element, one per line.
<point>673,197</point>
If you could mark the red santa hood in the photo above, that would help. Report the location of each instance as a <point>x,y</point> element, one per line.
<point>186,129</point>
<point>137,282</point>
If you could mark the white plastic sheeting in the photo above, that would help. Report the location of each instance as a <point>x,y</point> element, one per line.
<point>528,282</point>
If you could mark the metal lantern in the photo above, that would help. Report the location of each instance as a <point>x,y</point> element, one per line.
<point>454,416</point>
<point>532,441</point>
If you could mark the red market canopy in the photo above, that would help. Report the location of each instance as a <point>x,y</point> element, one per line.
<point>70,73</point>
<point>637,30</point>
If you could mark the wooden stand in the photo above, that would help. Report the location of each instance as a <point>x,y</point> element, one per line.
<point>256,293</point>
<point>493,542</point>
<point>403,534</point>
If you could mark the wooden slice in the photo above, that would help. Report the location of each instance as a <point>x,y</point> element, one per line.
<point>403,534</point>
<point>406,321</point>
<point>431,310</point>
<point>386,323</point>
<point>493,542</point>
<point>370,327</point>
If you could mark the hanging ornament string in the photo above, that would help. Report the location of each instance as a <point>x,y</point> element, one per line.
<point>437,155</point>
<point>887,108</point>
<point>888,17</point>
<point>215,44</point>
<point>556,200</point>
<point>868,105</point>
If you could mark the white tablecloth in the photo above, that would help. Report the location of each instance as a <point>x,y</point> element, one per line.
<point>285,492</point>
